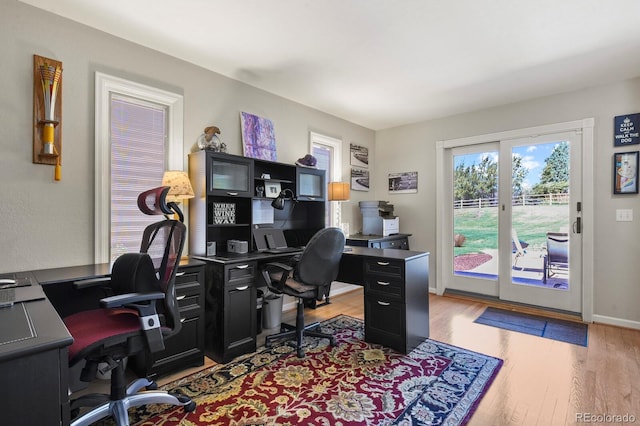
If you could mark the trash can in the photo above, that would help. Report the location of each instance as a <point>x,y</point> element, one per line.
<point>271,311</point>
<point>259,295</point>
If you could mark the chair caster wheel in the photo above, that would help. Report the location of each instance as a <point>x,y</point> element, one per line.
<point>153,386</point>
<point>300,353</point>
<point>190,407</point>
<point>332,341</point>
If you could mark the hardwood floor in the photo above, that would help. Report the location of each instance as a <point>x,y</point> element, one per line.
<point>542,381</point>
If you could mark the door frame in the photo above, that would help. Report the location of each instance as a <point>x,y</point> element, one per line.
<point>444,221</point>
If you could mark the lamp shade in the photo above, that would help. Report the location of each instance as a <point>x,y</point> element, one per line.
<point>339,191</point>
<point>180,185</point>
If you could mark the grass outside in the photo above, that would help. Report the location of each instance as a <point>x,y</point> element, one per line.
<point>480,226</point>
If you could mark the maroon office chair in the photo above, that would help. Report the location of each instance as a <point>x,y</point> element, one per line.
<point>140,316</point>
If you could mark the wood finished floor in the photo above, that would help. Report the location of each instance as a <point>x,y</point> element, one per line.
<point>542,381</point>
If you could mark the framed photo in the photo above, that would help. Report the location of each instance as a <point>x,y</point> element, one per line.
<point>271,189</point>
<point>403,183</point>
<point>359,155</point>
<point>626,129</point>
<point>258,137</point>
<point>359,179</point>
<point>625,172</point>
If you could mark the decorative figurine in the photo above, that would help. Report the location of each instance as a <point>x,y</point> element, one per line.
<point>210,140</point>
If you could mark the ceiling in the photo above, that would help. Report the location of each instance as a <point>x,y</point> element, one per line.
<point>386,63</point>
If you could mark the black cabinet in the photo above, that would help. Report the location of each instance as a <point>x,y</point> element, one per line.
<point>230,305</point>
<point>186,349</point>
<point>396,294</point>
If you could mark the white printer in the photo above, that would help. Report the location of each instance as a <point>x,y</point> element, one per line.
<point>378,218</point>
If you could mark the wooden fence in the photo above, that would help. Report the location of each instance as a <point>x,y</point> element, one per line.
<point>522,200</point>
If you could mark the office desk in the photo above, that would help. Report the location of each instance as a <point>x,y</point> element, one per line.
<point>396,298</point>
<point>33,365</point>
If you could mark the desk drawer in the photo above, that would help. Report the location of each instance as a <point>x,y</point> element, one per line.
<point>240,272</point>
<point>384,285</point>
<point>401,244</point>
<point>386,267</point>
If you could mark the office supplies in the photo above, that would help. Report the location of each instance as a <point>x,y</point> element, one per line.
<point>271,240</point>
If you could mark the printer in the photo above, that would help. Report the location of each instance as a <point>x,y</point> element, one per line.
<point>378,218</point>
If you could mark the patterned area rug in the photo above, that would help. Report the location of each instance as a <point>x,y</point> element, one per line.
<point>353,383</point>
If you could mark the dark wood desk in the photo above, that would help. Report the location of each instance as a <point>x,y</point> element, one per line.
<point>396,284</point>
<point>33,365</point>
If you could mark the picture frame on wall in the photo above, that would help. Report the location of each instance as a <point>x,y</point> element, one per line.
<point>625,172</point>
<point>359,155</point>
<point>403,183</point>
<point>271,189</point>
<point>359,179</point>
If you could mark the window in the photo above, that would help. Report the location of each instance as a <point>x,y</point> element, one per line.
<point>327,151</point>
<point>138,137</point>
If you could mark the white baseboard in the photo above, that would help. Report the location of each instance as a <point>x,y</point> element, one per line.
<point>603,319</point>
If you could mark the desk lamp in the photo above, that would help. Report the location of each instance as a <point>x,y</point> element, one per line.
<point>180,189</point>
<point>339,191</point>
<point>278,203</point>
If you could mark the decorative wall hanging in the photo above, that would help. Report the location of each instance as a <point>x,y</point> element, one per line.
<point>403,183</point>
<point>359,179</point>
<point>625,173</point>
<point>626,129</point>
<point>258,137</point>
<point>359,155</point>
<point>47,113</point>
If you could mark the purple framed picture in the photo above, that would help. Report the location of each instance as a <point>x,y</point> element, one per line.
<point>258,137</point>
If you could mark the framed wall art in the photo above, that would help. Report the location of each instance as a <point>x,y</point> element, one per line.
<point>258,137</point>
<point>359,179</point>
<point>625,172</point>
<point>403,183</point>
<point>359,155</point>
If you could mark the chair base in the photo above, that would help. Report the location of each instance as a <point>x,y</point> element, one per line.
<point>104,406</point>
<point>298,332</point>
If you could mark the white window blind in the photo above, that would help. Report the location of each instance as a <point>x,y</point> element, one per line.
<point>138,135</point>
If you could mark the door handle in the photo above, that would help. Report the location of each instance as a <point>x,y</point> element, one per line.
<point>383,303</point>
<point>577,226</point>
<point>243,288</point>
<point>382,283</point>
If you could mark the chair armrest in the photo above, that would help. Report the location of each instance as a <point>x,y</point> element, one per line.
<point>129,298</point>
<point>270,267</point>
<point>91,282</point>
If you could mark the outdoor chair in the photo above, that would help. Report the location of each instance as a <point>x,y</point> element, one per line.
<point>557,256</point>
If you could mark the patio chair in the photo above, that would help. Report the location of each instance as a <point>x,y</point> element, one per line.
<point>557,256</point>
<point>517,247</point>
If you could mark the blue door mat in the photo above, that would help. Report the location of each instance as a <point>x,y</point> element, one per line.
<point>550,328</point>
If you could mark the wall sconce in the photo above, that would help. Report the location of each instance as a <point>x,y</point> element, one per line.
<point>181,189</point>
<point>47,113</point>
<point>339,191</point>
<point>278,202</point>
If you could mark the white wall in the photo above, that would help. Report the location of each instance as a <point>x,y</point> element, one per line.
<point>47,224</point>
<point>617,255</point>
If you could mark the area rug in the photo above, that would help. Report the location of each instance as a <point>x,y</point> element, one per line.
<point>352,383</point>
<point>550,328</point>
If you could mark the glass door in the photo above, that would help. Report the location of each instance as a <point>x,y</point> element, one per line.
<point>515,220</point>
<point>475,260</point>
<point>540,231</point>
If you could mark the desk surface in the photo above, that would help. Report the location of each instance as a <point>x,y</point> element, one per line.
<point>348,251</point>
<point>30,327</point>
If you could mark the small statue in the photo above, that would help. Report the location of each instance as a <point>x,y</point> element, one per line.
<point>209,140</point>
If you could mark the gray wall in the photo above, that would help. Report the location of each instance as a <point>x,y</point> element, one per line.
<point>617,264</point>
<point>47,224</point>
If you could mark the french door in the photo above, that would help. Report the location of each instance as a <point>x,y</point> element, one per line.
<point>515,220</point>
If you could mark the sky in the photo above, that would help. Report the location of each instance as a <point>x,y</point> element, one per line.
<point>533,159</point>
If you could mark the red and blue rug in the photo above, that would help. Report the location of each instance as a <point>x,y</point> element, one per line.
<point>352,383</point>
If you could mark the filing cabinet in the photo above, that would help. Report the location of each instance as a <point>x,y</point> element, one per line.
<point>230,300</point>
<point>396,301</point>
<point>186,349</point>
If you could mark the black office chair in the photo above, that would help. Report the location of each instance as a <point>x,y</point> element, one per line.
<point>141,314</point>
<point>308,279</point>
